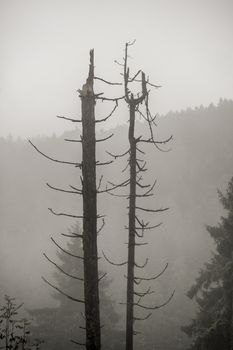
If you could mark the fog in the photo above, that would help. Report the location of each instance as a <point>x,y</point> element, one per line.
<point>185,46</point>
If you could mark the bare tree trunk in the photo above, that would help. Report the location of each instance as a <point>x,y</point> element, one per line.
<point>231,322</point>
<point>131,242</point>
<point>91,290</point>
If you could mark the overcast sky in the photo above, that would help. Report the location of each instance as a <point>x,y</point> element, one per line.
<point>184,45</point>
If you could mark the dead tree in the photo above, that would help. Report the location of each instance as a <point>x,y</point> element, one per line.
<point>88,191</point>
<point>137,190</point>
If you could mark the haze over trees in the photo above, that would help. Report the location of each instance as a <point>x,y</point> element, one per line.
<point>188,186</point>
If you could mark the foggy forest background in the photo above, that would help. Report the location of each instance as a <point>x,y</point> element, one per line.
<point>188,176</point>
<point>185,47</point>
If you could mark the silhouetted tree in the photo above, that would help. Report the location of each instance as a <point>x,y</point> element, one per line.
<point>137,189</point>
<point>88,191</point>
<point>212,329</point>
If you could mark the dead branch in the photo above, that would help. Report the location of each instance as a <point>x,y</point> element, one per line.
<point>113,263</point>
<point>103,163</point>
<point>74,140</point>
<point>154,277</point>
<point>148,227</point>
<point>118,155</point>
<point>61,270</point>
<point>53,159</point>
<point>143,294</point>
<point>152,210</point>
<point>108,116</point>
<point>100,278</point>
<point>101,227</point>
<point>64,214</point>
<point>116,99</point>
<point>77,343</point>
<point>70,119</point>
<point>142,318</point>
<point>114,186</point>
<point>63,293</point>
<point>106,81</point>
<point>62,190</point>
<point>143,265</point>
<point>157,306</point>
<point>64,250</point>
<point>105,138</point>
<point>76,189</point>
<point>100,181</point>
<point>72,235</point>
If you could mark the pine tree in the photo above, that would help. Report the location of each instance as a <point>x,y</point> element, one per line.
<point>58,325</point>
<point>212,329</point>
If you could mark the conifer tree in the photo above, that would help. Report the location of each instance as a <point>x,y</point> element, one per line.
<point>212,329</point>
<point>58,324</point>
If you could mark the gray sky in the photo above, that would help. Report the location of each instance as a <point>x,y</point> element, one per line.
<point>184,45</point>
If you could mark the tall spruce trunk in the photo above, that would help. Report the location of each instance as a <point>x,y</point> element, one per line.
<point>91,290</point>
<point>131,242</point>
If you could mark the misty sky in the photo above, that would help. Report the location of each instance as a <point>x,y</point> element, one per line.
<point>184,45</point>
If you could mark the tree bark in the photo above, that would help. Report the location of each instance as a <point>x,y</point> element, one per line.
<point>91,290</point>
<point>131,242</point>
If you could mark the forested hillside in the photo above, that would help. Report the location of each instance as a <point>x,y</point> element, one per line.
<point>199,161</point>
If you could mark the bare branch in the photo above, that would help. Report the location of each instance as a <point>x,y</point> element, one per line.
<point>105,138</point>
<point>143,265</point>
<point>148,227</point>
<point>64,250</point>
<point>101,227</point>
<point>157,306</point>
<point>142,186</point>
<point>62,190</point>
<point>154,277</point>
<point>107,82</point>
<point>119,64</point>
<point>76,189</point>
<point>77,343</point>
<point>53,159</point>
<point>100,181</point>
<point>151,188</point>
<point>73,140</point>
<point>100,278</point>
<point>108,116</point>
<point>113,263</point>
<point>70,119</point>
<point>135,76</point>
<point>140,151</point>
<point>72,235</point>
<point>104,163</point>
<point>110,99</point>
<point>152,210</point>
<point>61,270</point>
<point>114,186</point>
<point>143,294</point>
<point>150,140</point>
<point>142,318</point>
<point>118,155</point>
<point>126,167</point>
<point>64,214</point>
<point>63,293</point>
<point>130,43</point>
